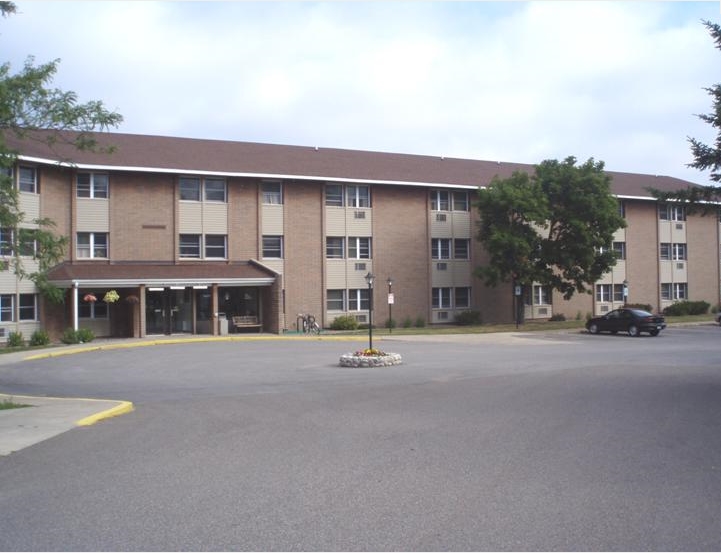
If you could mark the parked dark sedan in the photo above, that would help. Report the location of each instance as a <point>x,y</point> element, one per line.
<point>633,321</point>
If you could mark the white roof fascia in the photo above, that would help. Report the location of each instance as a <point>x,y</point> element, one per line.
<point>276,176</point>
<point>162,282</point>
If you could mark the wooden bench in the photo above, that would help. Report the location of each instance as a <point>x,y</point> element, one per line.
<point>246,321</point>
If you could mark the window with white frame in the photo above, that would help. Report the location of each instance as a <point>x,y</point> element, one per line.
<point>440,200</point>
<point>189,245</point>
<point>7,308</point>
<point>604,293</point>
<point>215,246</point>
<point>334,195</point>
<point>619,249</point>
<point>272,192</point>
<point>335,300</point>
<point>540,295</point>
<point>670,212</point>
<point>92,245</point>
<point>441,298</point>
<point>665,250</point>
<point>6,241</point>
<point>358,299</point>
<point>678,251</point>
<point>674,290</point>
<point>189,188</point>
<point>92,185</point>
<point>618,292</point>
<point>28,180</point>
<point>26,242</point>
<point>462,297</point>
<point>622,208</point>
<point>28,307</point>
<point>461,247</point>
<point>215,190</point>
<point>273,247</point>
<point>460,201</point>
<point>440,248</point>
<point>358,195</point>
<point>93,310</point>
<point>334,247</point>
<point>359,248</point>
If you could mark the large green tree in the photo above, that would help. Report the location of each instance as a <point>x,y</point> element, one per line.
<point>29,108</point>
<point>554,227</point>
<point>706,157</point>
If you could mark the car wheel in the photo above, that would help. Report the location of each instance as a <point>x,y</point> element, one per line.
<point>633,330</point>
<point>654,332</point>
<point>593,328</point>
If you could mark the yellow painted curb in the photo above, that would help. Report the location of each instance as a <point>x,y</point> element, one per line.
<point>123,408</point>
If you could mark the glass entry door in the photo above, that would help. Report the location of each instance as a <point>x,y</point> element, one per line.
<point>169,311</point>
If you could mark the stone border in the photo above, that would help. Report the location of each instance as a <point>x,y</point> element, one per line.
<point>352,360</point>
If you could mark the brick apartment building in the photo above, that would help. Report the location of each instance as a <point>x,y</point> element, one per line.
<point>191,233</point>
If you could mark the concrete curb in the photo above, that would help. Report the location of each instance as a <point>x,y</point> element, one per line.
<point>121,409</point>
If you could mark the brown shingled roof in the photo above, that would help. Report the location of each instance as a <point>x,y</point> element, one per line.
<point>158,153</point>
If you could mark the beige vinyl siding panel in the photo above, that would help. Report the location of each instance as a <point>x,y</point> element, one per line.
<point>356,279</point>
<point>358,267</point>
<point>190,218</point>
<point>679,271</point>
<point>441,224</point>
<point>274,264</point>
<point>272,219</point>
<point>29,204</point>
<point>664,231</point>
<point>8,280</point>
<point>461,224</point>
<point>618,273</point>
<point>215,218</point>
<point>359,222</point>
<point>93,215</point>
<point>666,271</point>
<point>442,278</point>
<point>335,271</point>
<point>335,221</point>
<point>678,232</point>
<point>619,235</point>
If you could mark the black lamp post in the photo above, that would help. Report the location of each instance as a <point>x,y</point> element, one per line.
<point>370,277</point>
<point>390,305</point>
<point>625,292</point>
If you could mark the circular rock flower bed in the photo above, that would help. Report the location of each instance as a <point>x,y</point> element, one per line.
<point>370,358</point>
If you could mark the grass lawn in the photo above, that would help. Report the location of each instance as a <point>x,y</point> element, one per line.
<point>10,404</point>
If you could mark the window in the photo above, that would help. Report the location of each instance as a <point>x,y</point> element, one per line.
<point>273,247</point>
<point>92,245</point>
<point>215,246</point>
<point>334,195</point>
<point>27,243</point>
<point>92,310</point>
<point>441,298</point>
<point>27,307</point>
<point>678,251</point>
<point>618,292</point>
<point>460,201</point>
<point>334,247</point>
<point>189,189</point>
<point>358,299</point>
<point>542,295</point>
<point>440,200</point>
<point>28,180</point>
<point>620,249</point>
<point>622,208</point>
<point>669,212</point>
<point>335,300</point>
<point>460,248</point>
<point>215,190</point>
<point>674,291</point>
<point>190,245</point>
<point>6,308</point>
<point>358,196</point>
<point>462,297</point>
<point>440,248</point>
<point>272,192</point>
<point>359,248</point>
<point>603,293</point>
<point>92,185</point>
<point>6,241</point>
<point>665,249</point>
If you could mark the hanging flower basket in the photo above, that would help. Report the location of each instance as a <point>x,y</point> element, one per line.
<point>132,299</point>
<point>89,298</point>
<point>111,296</point>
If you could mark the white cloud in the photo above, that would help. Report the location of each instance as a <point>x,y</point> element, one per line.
<point>617,81</point>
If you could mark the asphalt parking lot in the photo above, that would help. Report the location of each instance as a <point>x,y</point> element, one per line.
<point>558,441</point>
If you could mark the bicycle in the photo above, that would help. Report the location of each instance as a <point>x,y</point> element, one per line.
<point>307,324</point>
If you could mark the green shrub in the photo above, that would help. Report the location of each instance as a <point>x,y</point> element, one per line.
<point>85,335</point>
<point>390,323</point>
<point>70,336</point>
<point>469,317</point>
<point>344,322</point>
<point>681,308</point>
<point>420,322</point>
<point>15,340</point>
<point>39,338</point>
<point>557,317</point>
<point>407,322</point>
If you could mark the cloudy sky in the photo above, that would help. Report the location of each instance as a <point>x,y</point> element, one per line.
<point>512,81</point>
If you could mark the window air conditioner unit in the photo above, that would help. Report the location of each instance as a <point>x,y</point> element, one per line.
<point>442,266</point>
<point>443,315</point>
<point>440,216</point>
<point>679,265</point>
<point>679,226</point>
<point>360,215</point>
<point>543,310</point>
<point>360,266</point>
<point>360,318</point>
<point>604,308</point>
